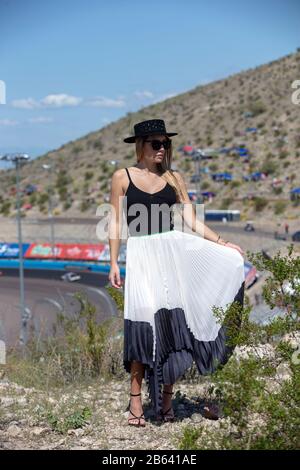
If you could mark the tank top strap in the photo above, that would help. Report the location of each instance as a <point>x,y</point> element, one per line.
<point>128,175</point>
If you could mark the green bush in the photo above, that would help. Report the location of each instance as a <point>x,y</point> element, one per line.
<point>185,165</point>
<point>209,140</point>
<point>75,420</point>
<point>104,166</point>
<point>205,185</point>
<point>33,199</point>
<point>67,205</point>
<point>213,166</point>
<point>77,149</point>
<point>85,205</point>
<point>279,207</point>
<point>80,348</point>
<point>189,439</point>
<point>277,190</point>
<point>62,178</point>
<point>88,175</point>
<point>104,186</point>
<point>98,145</point>
<point>43,198</point>
<point>283,154</point>
<point>260,409</point>
<point>259,203</point>
<point>63,193</point>
<point>5,208</point>
<point>226,202</point>
<point>256,107</point>
<point>269,167</point>
<point>235,184</point>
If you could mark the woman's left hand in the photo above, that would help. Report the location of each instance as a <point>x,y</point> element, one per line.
<point>236,247</point>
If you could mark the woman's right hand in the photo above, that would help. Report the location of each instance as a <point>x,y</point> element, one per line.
<point>114,276</point>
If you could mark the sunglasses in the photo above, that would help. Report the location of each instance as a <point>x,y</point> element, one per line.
<point>156,144</point>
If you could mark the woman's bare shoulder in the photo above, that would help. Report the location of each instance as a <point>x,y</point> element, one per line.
<point>118,174</point>
<point>118,178</point>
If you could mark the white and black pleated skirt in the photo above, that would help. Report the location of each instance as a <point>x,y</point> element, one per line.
<point>172,281</point>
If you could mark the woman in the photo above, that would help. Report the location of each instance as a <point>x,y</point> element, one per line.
<point>173,278</point>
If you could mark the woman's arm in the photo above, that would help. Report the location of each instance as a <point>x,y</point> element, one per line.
<point>115,226</point>
<point>189,216</point>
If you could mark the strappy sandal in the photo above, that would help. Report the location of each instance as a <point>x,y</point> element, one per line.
<point>139,424</point>
<point>164,416</point>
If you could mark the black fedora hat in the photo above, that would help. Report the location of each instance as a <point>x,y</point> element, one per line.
<point>150,127</point>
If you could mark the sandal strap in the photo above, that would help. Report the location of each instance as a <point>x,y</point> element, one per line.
<point>166,412</point>
<point>136,417</point>
<point>132,395</point>
<point>169,393</point>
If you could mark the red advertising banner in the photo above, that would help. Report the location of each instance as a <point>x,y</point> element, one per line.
<point>71,251</point>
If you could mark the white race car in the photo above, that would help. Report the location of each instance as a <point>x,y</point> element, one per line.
<point>71,277</point>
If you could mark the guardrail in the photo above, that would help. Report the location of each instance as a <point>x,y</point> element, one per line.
<point>58,265</point>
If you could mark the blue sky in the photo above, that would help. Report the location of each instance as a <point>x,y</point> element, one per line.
<point>72,66</point>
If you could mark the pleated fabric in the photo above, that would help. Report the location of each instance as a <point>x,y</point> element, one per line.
<point>173,280</point>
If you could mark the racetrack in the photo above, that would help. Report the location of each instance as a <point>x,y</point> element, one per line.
<point>45,296</point>
<point>45,293</point>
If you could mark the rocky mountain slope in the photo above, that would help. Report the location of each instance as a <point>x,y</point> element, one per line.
<point>252,108</point>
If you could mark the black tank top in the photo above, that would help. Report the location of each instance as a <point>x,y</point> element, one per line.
<point>152,213</point>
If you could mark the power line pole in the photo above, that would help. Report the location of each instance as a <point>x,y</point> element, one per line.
<point>197,156</point>
<point>50,210</point>
<point>17,159</point>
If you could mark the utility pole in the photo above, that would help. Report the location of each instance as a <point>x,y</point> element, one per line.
<point>196,158</point>
<point>50,210</point>
<point>17,159</point>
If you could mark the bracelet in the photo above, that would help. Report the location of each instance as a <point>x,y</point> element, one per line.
<point>219,239</point>
<point>224,240</point>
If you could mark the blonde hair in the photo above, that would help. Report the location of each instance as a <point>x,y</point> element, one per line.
<point>164,167</point>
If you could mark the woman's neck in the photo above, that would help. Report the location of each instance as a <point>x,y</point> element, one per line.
<point>148,169</point>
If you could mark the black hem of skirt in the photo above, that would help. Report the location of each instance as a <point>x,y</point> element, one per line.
<point>176,349</point>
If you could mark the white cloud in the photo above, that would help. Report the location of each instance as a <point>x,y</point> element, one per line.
<point>40,119</point>
<point>60,100</point>
<point>144,94</point>
<point>2,92</point>
<point>26,103</point>
<point>102,102</point>
<point>8,122</point>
